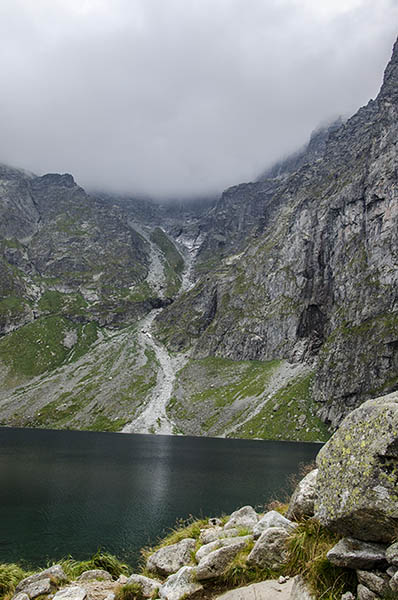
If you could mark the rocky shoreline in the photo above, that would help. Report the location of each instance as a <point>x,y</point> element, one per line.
<point>337,538</point>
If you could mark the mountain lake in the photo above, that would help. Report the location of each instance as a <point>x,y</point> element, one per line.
<point>72,492</point>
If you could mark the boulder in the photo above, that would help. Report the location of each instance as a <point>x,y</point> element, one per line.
<point>363,593</point>
<point>356,554</point>
<point>171,558</point>
<point>272,519</point>
<point>358,469</point>
<point>265,590</point>
<point>98,574</point>
<point>73,592</point>
<point>210,535</point>
<point>181,585</point>
<point>246,517</point>
<point>270,548</point>
<point>375,581</point>
<point>348,596</point>
<point>392,554</point>
<point>148,586</point>
<point>214,564</point>
<point>37,588</point>
<point>302,502</point>
<point>55,573</point>
<point>207,548</point>
<point>300,590</point>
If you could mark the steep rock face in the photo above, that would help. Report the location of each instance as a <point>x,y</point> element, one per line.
<point>305,267</point>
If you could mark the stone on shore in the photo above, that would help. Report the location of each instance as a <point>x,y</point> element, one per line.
<point>181,585</point>
<point>148,585</point>
<point>20,596</point>
<point>272,519</point>
<point>37,588</point>
<point>265,590</point>
<point>357,475</point>
<point>270,548</point>
<point>214,564</point>
<point>98,574</point>
<point>376,581</point>
<point>245,518</point>
<point>73,592</point>
<point>300,590</point>
<point>210,535</point>
<point>170,559</point>
<point>302,502</point>
<point>356,554</point>
<point>207,548</point>
<point>364,593</point>
<point>55,573</point>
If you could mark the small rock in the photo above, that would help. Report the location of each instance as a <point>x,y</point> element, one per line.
<point>357,554</point>
<point>376,581</point>
<point>272,519</point>
<point>213,521</point>
<point>73,592</point>
<point>301,504</point>
<point>56,573</point>
<point>181,585</point>
<point>392,554</point>
<point>245,517</point>
<point>348,596</point>
<point>122,579</point>
<point>282,579</point>
<point>110,596</point>
<point>170,559</point>
<point>20,596</point>
<point>394,582</point>
<point>391,571</point>
<point>270,548</point>
<point>207,548</point>
<point>214,564</point>
<point>98,574</point>
<point>363,593</point>
<point>148,586</point>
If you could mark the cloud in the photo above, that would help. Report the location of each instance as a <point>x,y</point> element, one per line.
<point>180,97</point>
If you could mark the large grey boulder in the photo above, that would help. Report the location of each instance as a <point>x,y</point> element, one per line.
<point>207,548</point>
<point>214,564</point>
<point>148,586</point>
<point>73,592</point>
<point>357,475</point>
<point>171,558</point>
<point>392,554</point>
<point>55,573</point>
<point>210,535</point>
<point>246,517</point>
<point>181,585</point>
<point>98,574</point>
<point>356,554</point>
<point>272,519</point>
<point>302,502</point>
<point>270,548</point>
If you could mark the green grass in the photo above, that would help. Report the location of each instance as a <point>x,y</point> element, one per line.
<point>12,305</point>
<point>130,591</point>
<point>169,250</point>
<point>100,560</point>
<point>278,418</point>
<point>10,575</point>
<point>38,347</point>
<point>54,302</point>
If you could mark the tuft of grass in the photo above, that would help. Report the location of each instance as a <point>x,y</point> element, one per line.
<point>130,591</point>
<point>100,560</point>
<point>10,575</point>
<point>239,573</point>
<point>280,507</point>
<point>307,549</point>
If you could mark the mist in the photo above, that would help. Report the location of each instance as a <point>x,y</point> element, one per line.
<point>180,98</point>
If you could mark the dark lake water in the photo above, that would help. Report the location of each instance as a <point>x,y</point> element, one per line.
<point>69,492</point>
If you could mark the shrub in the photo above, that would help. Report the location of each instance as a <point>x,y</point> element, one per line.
<point>100,560</point>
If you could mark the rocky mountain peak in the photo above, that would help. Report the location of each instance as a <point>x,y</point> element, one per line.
<point>62,180</point>
<point>389,89</point>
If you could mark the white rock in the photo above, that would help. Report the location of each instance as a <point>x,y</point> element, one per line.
<point>302,501</point>
<point>270,548</point>
<point>272,519</point>
<point>220,543</point>
<point>300,590</point>
<point>56,573</point>
<point>148,585</point>
<point>214,564</point>
<point>73,592</point>
<point>180,585</point>
<point>98,574</point>
<point>246,517</point>
<point>171,558</point>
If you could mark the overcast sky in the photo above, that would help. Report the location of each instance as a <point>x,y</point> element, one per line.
<point>180,97</point>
